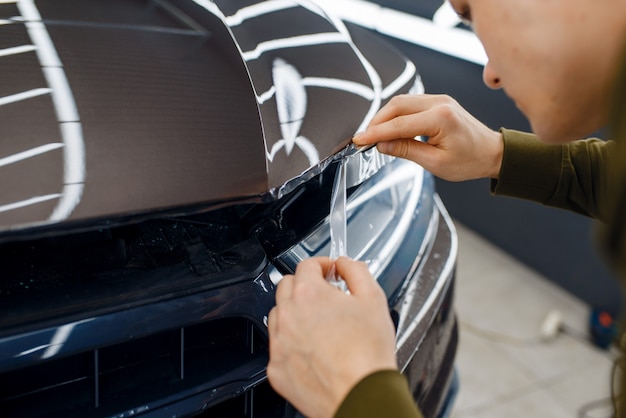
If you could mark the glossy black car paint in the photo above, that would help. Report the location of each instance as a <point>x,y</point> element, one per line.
<point>148,294</point>
<point>167,111</point>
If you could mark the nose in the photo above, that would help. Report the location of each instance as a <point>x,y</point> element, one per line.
<point>490,78</point>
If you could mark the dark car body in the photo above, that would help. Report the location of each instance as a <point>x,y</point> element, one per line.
<point>163,164</point>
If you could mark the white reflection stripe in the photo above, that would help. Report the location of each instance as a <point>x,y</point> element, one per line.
<point>66,110</point>
<point>61,94</point>
<point>402,80</point>
<point>38,34</point>
<point>369,69</point>
<point>29,153</point>
<point>74,173</point>
<point>457,42</point>
<point>59,338</point>
<point>16,50</point>
<point>8,1</point>
<point>72,193</point>
<point>296,41</point>
<point>23,96</point>
<point>210,6</point>
<point>264,97</point>
<point>32,350</point>
<point>332,83</point>
<point>352,87</point>
<point>28,202</point>
<point>446,16</point>
<point>74,152</point>
<point>443,281</point>
<point>266,7</point>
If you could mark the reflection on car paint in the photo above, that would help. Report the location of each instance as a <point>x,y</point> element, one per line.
<point>67,115</point>
<point>282,105</point>
<point>251,299</point>
<point>291,106</point>
<point>308,83</point>
<point>439,33</point>
<point>288,88</point>
<point>60,336</point>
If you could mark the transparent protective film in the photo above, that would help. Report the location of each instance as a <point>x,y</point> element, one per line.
<point>338,225</point>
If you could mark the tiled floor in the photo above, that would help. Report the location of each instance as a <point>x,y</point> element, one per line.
<point>506,369</point>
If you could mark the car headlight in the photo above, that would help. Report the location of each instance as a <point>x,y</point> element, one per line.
<point>394,197</point>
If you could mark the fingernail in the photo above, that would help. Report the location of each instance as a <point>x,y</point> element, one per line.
<point>357,137</point>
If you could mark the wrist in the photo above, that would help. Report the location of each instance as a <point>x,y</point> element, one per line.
<point>495,155</point>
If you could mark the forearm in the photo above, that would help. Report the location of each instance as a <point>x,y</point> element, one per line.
<point>383,393</point>
<point>574,176</point>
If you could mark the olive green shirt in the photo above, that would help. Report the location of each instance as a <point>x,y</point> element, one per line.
<point>381,394</point>
<point>572,176</point>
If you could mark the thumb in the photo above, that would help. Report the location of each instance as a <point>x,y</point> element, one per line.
<point>357,276</point>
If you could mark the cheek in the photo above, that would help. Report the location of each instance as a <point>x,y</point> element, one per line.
<point>527,75</point>
<point>564,118</point>
<point>567,100</point>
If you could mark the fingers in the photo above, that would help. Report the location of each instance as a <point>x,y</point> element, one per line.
<point>405,126</point>
<point>459,146</point>
<point>314,268</point>
<point>284,289</point>
<point>312,272</point>
<point>405,116</point>
<point>406,104</point>
<point>272,321</point>
<point>357,276</point>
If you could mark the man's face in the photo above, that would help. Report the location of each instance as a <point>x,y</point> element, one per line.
<point>556,59</point>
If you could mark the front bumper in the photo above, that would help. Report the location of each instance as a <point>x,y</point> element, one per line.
<point>205,351</point>
<point>427,332</point>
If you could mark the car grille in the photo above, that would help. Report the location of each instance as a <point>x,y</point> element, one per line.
<point>208,359</point>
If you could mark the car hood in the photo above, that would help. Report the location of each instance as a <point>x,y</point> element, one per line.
<point>130,108</point>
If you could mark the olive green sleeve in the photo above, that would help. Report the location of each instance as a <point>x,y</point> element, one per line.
<point>573,176</point>
<point>381,394</point>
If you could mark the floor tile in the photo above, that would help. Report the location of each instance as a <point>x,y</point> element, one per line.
<point>586,387</point>
<point>555,358</point>
<point>531,404</point>
<point>486,375</point>
<point>505,295</point>
<point>505,367</point>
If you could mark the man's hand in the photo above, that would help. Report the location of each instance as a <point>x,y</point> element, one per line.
<point>459,146</point>
<point>324,341</point>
